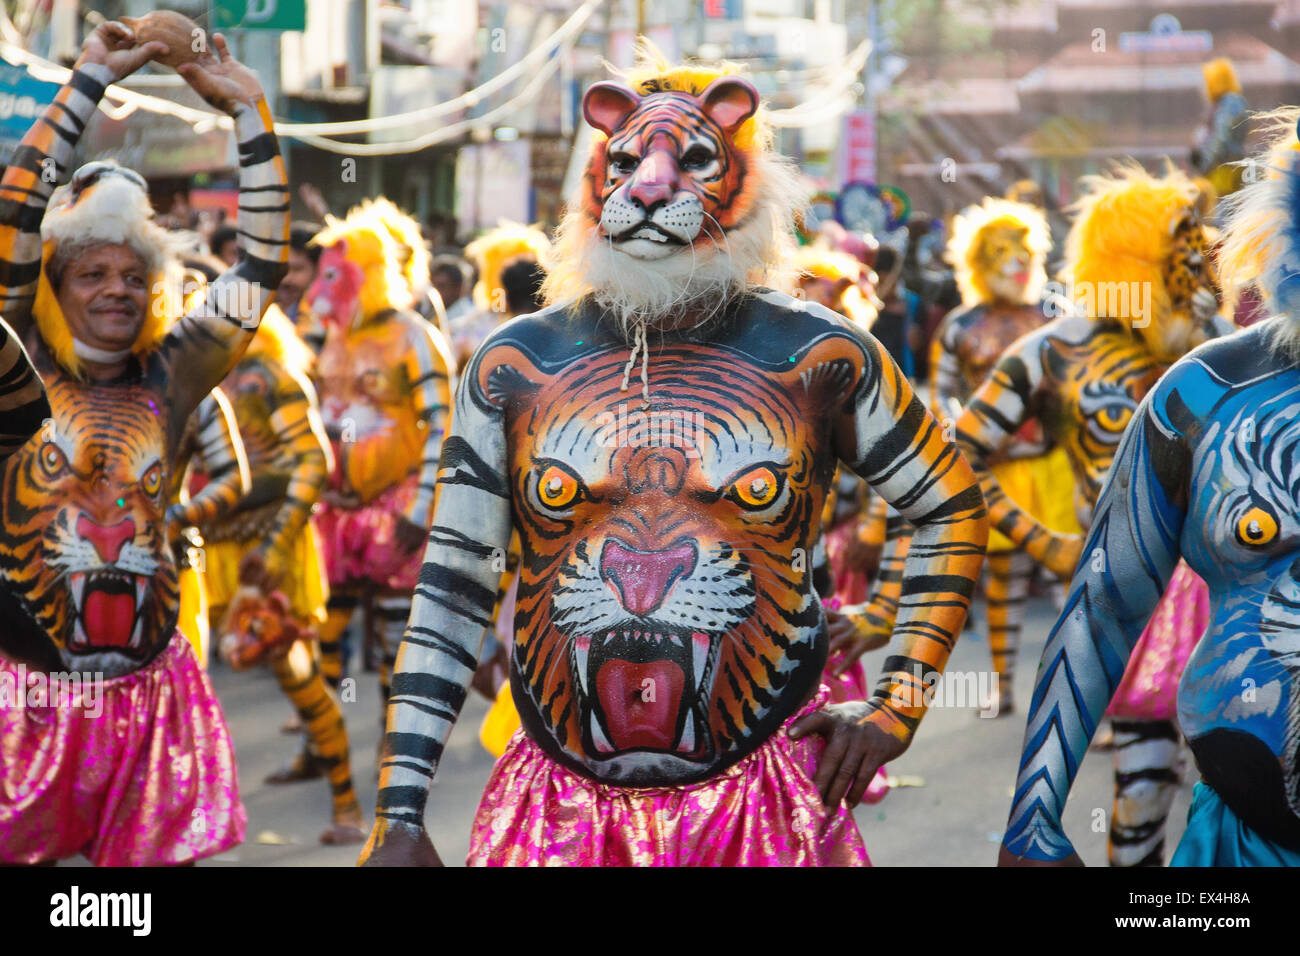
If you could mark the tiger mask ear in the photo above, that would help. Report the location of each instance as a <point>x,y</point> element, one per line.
<point>607,106</point>
<point>729,101</point>
<point>506,375</point>
<point>828,371</point>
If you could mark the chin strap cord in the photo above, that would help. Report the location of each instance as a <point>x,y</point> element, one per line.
<point>639,346</point>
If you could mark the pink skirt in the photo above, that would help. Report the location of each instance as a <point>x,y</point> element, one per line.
<point>761,811</point>
<point>851,584</point>
<point>1149,689</point>
<point>134,771</point>
<point>360,544</point>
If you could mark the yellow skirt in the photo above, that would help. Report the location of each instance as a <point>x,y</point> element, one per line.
<point>193,619</point>
<point>1043,487</point>
<point>304,583</point>
<point>500,723</point>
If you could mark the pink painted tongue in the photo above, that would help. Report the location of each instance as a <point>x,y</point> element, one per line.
<point>635,721</point>
<point>109,618</point>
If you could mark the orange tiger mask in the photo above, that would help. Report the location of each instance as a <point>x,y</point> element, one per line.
<point>669,172</point>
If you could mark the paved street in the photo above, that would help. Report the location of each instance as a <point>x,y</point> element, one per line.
<point>956,818</point>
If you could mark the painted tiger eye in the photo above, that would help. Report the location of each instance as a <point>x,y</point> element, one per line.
<point>757,488</point>
<point>152,480</point>
<point>1115,418</point>
<point>51,459</point>
<point>1257,527</point>
<point>557,488</point>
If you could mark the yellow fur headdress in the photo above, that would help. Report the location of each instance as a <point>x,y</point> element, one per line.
<point>108,206</point>
<point>410,241</point>
<point>973,226</point>
<point>370,244</point>
<point>491,252</point>
<point>1220,78</point>
<point>1123,232</point>
<point>1261,238</point>
<point>822,263</point>
<point>654,74</point>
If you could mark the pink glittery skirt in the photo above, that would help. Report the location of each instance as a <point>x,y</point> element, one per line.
<point>1149,689</point>
<point>360,544</point>
<point>761,811</point>
<point>135,771</point>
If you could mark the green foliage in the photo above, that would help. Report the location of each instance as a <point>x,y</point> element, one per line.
<point>937,28</point>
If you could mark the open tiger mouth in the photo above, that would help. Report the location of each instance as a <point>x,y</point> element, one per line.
<point>650,231</point>
<point>645,690</point>
<point>107,606</point>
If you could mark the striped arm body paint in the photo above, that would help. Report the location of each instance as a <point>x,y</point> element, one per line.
<point>661,545</point>
<point>24,406</point>
<point>1081,381</point>
<point>212,443</point>
<point>430,368</point>
<point>39,164</point>
<point>1135,533</point>
<point>877,615</point>
<point>206,342</point>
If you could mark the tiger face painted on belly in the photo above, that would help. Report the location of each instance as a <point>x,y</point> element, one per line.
<point>1095,385</point>
<point>665,623</point>
<point>84,550</point>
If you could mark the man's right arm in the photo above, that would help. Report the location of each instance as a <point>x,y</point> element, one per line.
<point>39,164</point>
<point>997,410</point>
<point>450,611</point>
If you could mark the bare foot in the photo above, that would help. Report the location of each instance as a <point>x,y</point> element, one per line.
<point>340,834</point>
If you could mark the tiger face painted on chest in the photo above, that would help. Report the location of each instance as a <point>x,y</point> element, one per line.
<point>669,172</point>
<point>1095,387</point>
<point>666,622</point>
<point>82,540</point>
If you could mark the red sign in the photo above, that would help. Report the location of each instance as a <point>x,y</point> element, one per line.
<point>859,144</point>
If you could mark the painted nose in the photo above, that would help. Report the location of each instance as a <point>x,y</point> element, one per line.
<point>642,579</point>
<point>108,541</point>
<point>653,185</point>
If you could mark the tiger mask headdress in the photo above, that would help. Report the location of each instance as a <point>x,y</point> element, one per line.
<point>683,204</point>
<point>998,251</point>
<point>1137,254</point>
<point>361,270</point>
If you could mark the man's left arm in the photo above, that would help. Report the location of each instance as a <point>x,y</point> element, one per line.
<point>205,344</point>
<point>888,437</point>
<point>430,370</point>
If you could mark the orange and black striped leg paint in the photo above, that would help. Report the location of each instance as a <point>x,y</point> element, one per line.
<point>1008,588</point>
<point>299,675</point>
<point>340,610</point>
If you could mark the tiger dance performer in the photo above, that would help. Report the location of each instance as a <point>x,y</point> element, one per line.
<point>1081,377</point>
<point>384,375</point>
<point>210,447</point>
<point>667,656</point>
<point>1206,472</point>
<point>267,543</point>
<point>492,253</point>
<point>87,579</point>
<point>998,251</point>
